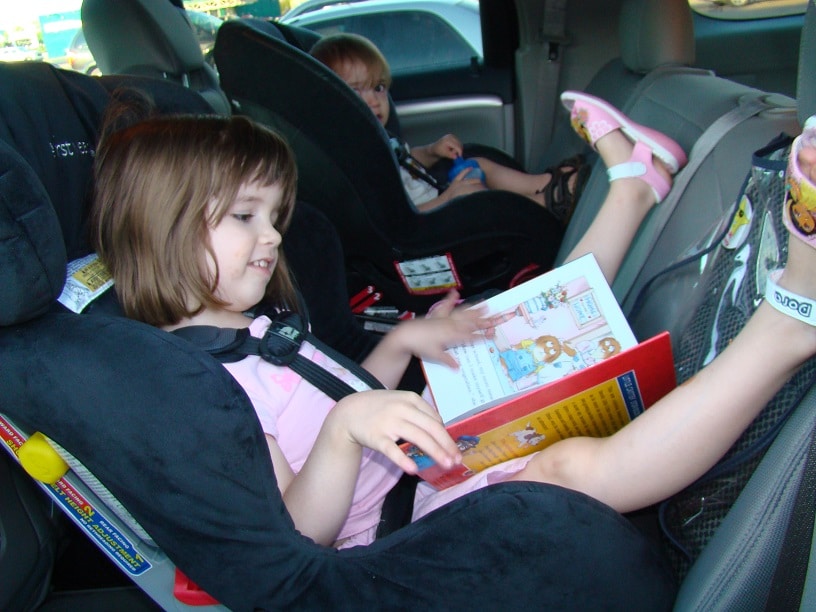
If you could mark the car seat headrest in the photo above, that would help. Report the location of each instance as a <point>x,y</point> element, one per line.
<point>655,34</point>
<point>806,84</point>
<point>49,117</point>
<point>31,246</point>
<point>298,37</point>
<point>49,122</point>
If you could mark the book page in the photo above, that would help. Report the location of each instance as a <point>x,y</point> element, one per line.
<point>546,328</point>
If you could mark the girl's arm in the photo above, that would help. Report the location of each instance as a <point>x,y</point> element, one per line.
<point>688,431</point>
<point>318,498</point>
<point>426,338</point>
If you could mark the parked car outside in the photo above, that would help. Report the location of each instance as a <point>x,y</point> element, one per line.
<point>15,53</point>
<point>79,56</point>
<point>413,35</point>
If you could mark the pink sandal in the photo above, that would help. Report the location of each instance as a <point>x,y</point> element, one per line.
<point>593,118</point>
<point>799,208</point>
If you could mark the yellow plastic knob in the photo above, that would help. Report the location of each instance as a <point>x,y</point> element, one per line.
<point>40,460</point>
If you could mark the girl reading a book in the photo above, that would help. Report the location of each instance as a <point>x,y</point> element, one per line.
<point>189,215</point>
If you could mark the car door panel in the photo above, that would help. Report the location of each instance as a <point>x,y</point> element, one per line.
<point>475,103</point>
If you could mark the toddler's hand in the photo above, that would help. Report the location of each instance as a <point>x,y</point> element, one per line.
<point>460,186</point>
<point>378,419</point>
<point>448,146</point>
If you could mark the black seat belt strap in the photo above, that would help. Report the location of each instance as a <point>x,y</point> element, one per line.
<point>410,163</point>
<point>280,345</point>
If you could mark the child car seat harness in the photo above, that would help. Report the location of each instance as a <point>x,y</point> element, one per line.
<point>280,346</point>
<point>410,163</point>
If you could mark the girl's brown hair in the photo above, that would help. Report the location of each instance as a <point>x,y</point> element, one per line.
<point>337,50</point>
<point>155,182</point>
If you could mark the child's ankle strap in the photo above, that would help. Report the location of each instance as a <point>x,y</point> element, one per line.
<point>796,306</point>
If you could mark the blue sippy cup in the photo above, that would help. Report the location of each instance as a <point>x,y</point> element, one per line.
<point>461,163</point>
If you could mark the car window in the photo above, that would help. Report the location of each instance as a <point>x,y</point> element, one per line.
<point>410,40</point>
<point>748,9</point>
<point>53,33</point>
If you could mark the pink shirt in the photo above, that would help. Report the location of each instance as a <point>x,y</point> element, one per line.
<point>292,411</point>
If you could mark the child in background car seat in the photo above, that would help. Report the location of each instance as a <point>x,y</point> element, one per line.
<point>189,215</point>
<point>359,63</point>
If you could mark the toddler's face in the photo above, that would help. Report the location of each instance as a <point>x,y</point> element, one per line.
<point>370,87</point>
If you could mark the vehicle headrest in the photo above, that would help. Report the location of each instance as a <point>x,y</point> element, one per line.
<point>806,85</point>
<point>655,34</point>
<point>50,118</point>
<point>141,37</point>
<point>150,38</point>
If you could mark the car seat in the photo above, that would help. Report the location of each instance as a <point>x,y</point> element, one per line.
<point>171,437</point>
<point>348,169</point>
<point>489,241</point>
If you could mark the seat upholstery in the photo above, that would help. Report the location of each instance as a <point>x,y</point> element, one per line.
<point>170,433</point>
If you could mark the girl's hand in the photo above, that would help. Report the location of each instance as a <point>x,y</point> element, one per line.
<point>445,326</point>
<point>379,419</point>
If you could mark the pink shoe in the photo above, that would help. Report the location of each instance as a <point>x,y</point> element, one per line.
<point>593,118</point>
<point>799,208</point>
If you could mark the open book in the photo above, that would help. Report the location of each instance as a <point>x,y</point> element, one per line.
<point>561,361</point>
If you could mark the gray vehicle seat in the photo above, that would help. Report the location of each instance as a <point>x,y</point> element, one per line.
<point>684,103</point>
<point>735,569</point>
<point>652,36</point>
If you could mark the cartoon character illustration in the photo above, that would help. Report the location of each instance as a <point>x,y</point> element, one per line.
<point>534,356</point>
<point>800,207</point>
<point>528,436</point>
<point>423,461</point>
<point>532,310</point>
<point>465,443</point>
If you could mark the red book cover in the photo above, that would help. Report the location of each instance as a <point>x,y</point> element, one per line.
<point>559,361</point>
<point>595,401</point>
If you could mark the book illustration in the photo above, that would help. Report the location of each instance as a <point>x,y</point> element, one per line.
<point>529,436</point>
<point>559,361</point>
<point>547,328</point>
<point>423,461</point>
<point>531,356</point>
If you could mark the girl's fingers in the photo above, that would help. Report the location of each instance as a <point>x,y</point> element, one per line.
<point>444,452</point>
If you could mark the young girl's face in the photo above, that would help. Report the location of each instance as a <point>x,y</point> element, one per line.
<point>370,87</point>
<point>245,244</point>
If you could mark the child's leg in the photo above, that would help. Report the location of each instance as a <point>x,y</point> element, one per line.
<point>640,163</point>
<point>533,186</point>
<point>688,431</point>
